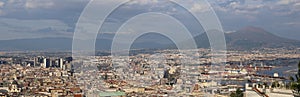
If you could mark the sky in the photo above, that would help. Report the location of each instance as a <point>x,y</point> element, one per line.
<point>23,19</point>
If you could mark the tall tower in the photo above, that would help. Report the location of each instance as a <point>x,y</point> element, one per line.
<point>44,64</point>
<point>48,63</point>
<point>61,63</point>
<point>34,61</point>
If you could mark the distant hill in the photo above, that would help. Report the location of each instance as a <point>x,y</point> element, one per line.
<point>36,44</point>
<point>250,38</point>
<point>149,41</point>
<point>243,39</point>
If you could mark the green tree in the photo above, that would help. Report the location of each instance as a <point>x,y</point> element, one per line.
<point>237,93</point>
<point>275,84</point>
<point>295,82</point>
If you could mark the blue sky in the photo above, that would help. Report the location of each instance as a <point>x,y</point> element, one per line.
<point>57,18</point>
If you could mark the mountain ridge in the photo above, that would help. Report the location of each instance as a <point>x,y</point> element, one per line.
<point>243,39</point>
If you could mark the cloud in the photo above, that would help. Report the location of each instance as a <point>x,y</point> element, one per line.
<point>34,28</point>
<point>285,2</point>
<point>1,4</point>
<point>45,14</point>
<point>39,4</point>
<point>200,8</point>
<point>239,6</point>
<point>292,23</point>
<point>144,2</point>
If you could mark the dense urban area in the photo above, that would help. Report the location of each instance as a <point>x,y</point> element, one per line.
<point>264,72</point>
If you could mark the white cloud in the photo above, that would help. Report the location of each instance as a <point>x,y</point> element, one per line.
<point>144,2</point>
<point>239,7</point>
<point>1,4</point>
<point>228,32</point>
<point>239,10</point>
<point>200,8</point>
<point>31,28</point>
<point>39,4</point>
<point>285,2</point>
<point>296,7</point>
<point>292,23</point>
<point>254,8</point>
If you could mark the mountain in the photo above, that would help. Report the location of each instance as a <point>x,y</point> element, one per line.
<point>36,44</point>
<point>103,42</point>
<point>243,39</point>
<point>146,41</point>
<point>250,38</point>
<point>253,37</point>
